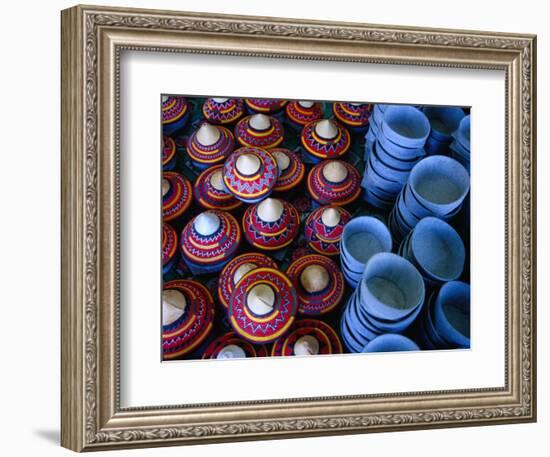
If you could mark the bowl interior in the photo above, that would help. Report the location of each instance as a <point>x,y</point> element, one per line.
<point>365,236</point>
<point>444,119</point>
<point>394,282</point>
<point>407,122</point>
<point>456,307</point>
<point>438,248</point>
<point>440,180</point>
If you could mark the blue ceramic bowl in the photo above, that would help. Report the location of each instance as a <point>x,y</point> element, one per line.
<point>383,189</point>
<point>462,134</point>
<point>362,238</point>
<point>391,342</point>
<point>451,313</point>
<point>404,227</point>
<point>458,148</point>
<point>402,152</point>
<point>395,326</point>
<point>382,107</point>
<point>372,131</point>
<point>418,210</point>
<point>379,325</point>
<point>368,148</point>
<point>401,164</point>
<point>405,213</point>
<point>398,228</point>
<point>439,183</point>
<point>377,114</point>
<point>459,153</point>
<point>444,120</point>
<point>439,342</point>
<point>346,265</point>
<point>360,329</point>
<point>391,287</point>
<point>438,249</point>
<point>413,204</point>
<point>376,201</point>
<point>364,323</point>
<point>384,198</point>
<point>350,341</point>
<point>374,126</point>
<point>351,278</point>
<point>406,126</point>
<point>385,183</point>
<point>426,332</point>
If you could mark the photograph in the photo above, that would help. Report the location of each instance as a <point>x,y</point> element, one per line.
<point>274,227</point>
<point>313,227</point>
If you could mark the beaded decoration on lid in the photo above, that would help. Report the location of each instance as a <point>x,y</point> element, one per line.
<point>265,105</point>
<point>308,337</point>
<point>325,139</point>
<point>324,227</point>
<point>334,182</point>
<point>210,191</point>
<point>177,194</point>
<point>263,305</point>
<point>259,130</point>
<point>210,144</point>
<point>236,268</point>
<point>291,169</point>
<point>318,282</point>
<point>270,233</point>
<point>187,317</point>
<point>169,246</point>
<point>222,111</point>
<point>304,112</point>
<point>353,114</point>
<point>250,174</point>
<point>231,346</point>
<point>210,238</point>
<point>168,153</point>
<point>173,108</point>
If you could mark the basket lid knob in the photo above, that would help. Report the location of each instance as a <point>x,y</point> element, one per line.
<point>335,171</point>
<point>231,351</point>
<point>206,223</point>
<point>283,161</point>
<point>247,164</point>
<point>208,134</point>
<point>330,217</point>
<point>306,345</point>
<point>261,299</point>
<point>270,210</point>
<point>314,278</point>
<point>259,121</point>
<point>326,129</point>
<point>173,306</point>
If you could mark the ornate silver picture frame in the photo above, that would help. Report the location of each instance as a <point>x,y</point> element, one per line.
<point>93,39</point>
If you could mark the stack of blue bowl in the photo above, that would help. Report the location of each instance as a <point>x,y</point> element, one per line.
<point>445,320</point>
<point>460,147</point>
<point>437,186</point>
<point>444,121</point>
<point>362,238</point>
<point>398,147</point>
<point>436,250</point>
<point>388,300</point>
<point>375,123</point>
<point>391,342</point>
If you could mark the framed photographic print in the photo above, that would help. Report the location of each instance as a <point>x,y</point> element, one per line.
<point>278,228</point>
